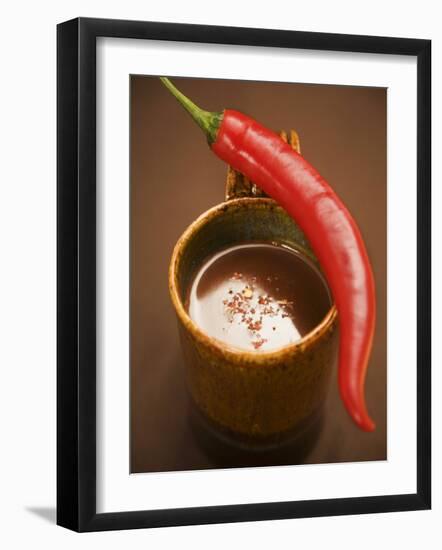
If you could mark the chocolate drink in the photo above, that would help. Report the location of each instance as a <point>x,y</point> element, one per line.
<point>258,296</point>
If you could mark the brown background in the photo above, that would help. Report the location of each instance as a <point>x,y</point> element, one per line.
<point>175,177</point>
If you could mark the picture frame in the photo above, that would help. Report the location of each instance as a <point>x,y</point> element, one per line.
<point>77,276</point>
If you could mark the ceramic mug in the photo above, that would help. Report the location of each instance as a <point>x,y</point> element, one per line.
<point>254,399</point>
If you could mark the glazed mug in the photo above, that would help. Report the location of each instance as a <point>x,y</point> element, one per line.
<point>256,400</point>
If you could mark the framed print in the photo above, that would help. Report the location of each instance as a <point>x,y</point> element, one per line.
<point>243,274</point>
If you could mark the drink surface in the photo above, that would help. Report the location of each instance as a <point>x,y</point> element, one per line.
<point>258,296</point>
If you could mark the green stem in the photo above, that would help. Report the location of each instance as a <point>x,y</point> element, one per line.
<point>207,121</point>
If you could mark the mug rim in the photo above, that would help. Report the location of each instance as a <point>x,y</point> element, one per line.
<point>246,356</point>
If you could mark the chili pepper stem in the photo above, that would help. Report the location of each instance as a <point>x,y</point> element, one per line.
<point>209,122</point>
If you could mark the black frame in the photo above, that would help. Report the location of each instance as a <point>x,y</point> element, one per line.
<point>76,257</point>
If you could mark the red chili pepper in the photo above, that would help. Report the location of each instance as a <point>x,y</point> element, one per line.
<point>263,157</point>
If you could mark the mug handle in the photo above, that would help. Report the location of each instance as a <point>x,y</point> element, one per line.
<point>237,185</point>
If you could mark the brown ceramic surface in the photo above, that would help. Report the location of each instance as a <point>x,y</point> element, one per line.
<point>343,133</point>
<point>258,398</point>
